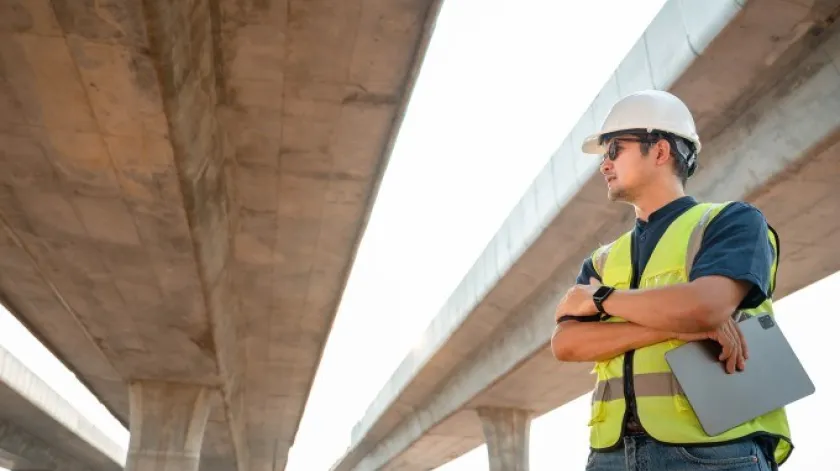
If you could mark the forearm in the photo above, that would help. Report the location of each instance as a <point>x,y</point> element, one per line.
<point>684,307</point>
<point>597,341</point>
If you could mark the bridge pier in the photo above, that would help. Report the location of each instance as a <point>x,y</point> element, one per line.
<point>167,426</point>
<point>507,432</point>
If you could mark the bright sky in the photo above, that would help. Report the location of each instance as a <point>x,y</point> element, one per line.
<point>500,89</point>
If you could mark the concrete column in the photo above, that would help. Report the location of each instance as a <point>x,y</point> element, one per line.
<point>507,433</point>
<point>167,426</point>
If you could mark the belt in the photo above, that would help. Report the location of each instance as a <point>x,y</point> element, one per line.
<point>633,427</point>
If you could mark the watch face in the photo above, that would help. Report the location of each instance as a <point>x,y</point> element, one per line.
<point>601,292</point>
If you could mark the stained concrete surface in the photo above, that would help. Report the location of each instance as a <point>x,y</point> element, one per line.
<point>183,186</point>
<point>167,426</point>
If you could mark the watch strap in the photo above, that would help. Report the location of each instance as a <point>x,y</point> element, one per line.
<point>601,295</point>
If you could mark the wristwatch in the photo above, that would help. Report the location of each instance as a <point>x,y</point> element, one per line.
<point>601,295</point>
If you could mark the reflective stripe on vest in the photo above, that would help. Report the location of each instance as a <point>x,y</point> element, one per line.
<point>662,408</point>
<point>646,385</point>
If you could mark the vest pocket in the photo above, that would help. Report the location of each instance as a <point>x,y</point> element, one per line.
<point>599,395</point>
<point>597,415</point>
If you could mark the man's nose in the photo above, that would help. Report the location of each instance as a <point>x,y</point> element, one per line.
<point>606,164</point>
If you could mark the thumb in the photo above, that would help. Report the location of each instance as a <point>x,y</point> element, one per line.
<point>594,281</point>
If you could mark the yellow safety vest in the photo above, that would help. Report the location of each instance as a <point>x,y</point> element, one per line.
<point>662,409</point>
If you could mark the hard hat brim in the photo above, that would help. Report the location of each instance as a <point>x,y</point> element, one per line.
<point>592,145</point>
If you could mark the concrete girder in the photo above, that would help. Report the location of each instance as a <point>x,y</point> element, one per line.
<point>184,187</point>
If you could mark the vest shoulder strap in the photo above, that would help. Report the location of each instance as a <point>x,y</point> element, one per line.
<point>695,241</point>
<point>599,256</point>
<point>708,212</point>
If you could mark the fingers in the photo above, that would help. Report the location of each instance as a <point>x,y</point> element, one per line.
<point>741,344</point>
<point>732,363</point>
<point>737,360</point>
<point>730,354</point>
<point>742,340</point>
<point>726,349</point>
<point>725,343</point>
<point>733,352</point>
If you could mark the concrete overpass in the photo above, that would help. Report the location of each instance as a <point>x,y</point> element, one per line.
<point>183,185</point>
<point>39,430</point>
<point>763,79</point>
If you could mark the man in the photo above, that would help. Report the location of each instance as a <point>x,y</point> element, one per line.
<point>683,273</point>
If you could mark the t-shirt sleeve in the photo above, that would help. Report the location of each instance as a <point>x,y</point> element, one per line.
<point>587,269</point>
<point>736,245</point>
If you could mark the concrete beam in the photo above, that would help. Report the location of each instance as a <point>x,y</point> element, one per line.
<point>40,427</point>
<point>31,452</point>
<point>115,205</point>
<point>167,426</point>
<point>183,40</point>
<point>507,433</point>
<point>762,104</point>
<point>184,186</point>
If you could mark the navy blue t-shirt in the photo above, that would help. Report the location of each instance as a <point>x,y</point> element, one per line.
<point>735,245</point>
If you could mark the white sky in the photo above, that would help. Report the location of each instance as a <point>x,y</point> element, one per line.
<point>500,89</point>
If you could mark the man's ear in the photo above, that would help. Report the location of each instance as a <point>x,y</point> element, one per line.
<point>662,150</point>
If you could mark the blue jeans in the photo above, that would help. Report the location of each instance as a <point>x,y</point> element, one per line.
<point>640,453</point>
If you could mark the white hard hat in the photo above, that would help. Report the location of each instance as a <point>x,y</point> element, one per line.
<point>649,110</point>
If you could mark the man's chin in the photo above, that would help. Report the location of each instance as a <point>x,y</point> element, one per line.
<point>615,194</point>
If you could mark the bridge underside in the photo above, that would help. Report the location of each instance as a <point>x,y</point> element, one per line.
<point>182,189</point>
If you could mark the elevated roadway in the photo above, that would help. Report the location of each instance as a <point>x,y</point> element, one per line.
<point>763,81</point>
<point>39,430</point>
<point>183,185</point>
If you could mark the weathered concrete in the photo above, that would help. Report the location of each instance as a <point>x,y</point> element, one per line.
<point>39,429</point>
<point>167,426</point>
<point>764,89</point>
<point>183,186</point>
<point>24,451</point>
<point>507,433</point>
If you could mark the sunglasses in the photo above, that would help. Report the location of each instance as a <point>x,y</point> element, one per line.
<point>613,149</point>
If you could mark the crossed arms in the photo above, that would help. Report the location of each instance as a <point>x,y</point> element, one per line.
<point>732,270</point>
<point>700,309</point>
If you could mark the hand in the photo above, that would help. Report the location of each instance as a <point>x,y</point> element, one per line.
<point>578,301</point>
<point>734,348</point>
